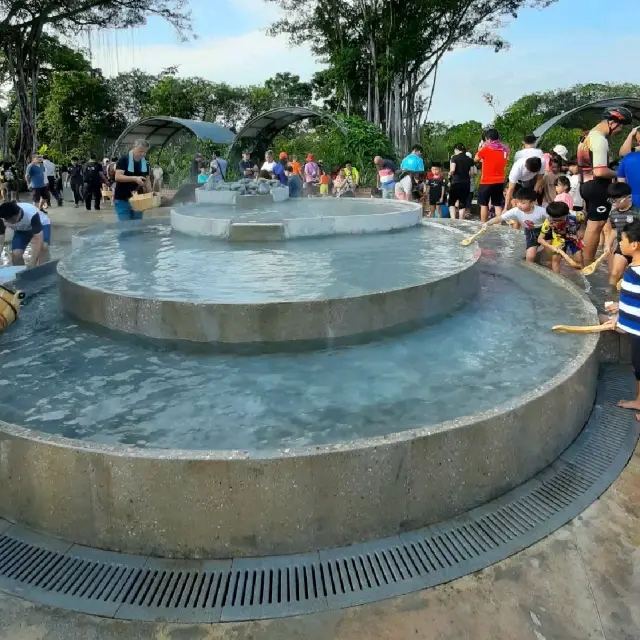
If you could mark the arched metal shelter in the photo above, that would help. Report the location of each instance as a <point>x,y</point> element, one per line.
<point>158,130</point>
<point>597,106</point>
<point>257,134</point>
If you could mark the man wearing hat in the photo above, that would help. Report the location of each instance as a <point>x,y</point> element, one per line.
<point>245,167</point>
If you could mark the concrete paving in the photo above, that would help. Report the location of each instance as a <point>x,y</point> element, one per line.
<point>581,583</point>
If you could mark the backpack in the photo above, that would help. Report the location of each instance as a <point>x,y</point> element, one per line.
<point>91,174</point>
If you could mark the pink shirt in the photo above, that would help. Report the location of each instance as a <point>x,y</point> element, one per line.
<point>566,198</point>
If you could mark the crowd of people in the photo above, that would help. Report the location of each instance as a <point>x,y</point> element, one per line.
<point>310,178</point>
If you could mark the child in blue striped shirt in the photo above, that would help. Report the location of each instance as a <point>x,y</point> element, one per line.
<point>628,319</point>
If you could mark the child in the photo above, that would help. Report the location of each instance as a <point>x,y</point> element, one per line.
<point>529,215</point>
<point>294,181</point>
<point>574,180</point>
<point>404,187</point>
<point>436,190</point>
<point>559,234</point>
<point>30,226</point>
<point>563,188</point>
<point>325,182</point>
<point>215,175</point>
<point>628,318</point>
<point>203,177</point>
<point>622,213</point>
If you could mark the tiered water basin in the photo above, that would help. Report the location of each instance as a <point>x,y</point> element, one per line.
<point>393,380</point>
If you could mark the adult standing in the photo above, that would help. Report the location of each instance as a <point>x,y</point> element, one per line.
<point>195,167</point>
<point>413,162</point>
<point>37,181</point>
<point>132,173</point>
<point>278,169</point>
<point>629,169</point>
<point>93,178</point>
<point>311,174</point>
<point>460,168</point>
<point>50,174</point>
<point>245,166</point>
<point>593,164</point>
<point>549,180</point>
<point>529,149</point>
<point>494,156</point>
<point>218,163</point>
<point>295,165</point>
<point>76,180</point>
<point>632,143</point>
<point>269,161</point>
<point>158,178</point>
<point>526,172</point>
<point>385,177</point>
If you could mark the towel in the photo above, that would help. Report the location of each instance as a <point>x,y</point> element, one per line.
<point>143,164</point>
<point>498,146</point>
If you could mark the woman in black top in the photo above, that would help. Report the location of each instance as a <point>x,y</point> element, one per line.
<point>460,177</point>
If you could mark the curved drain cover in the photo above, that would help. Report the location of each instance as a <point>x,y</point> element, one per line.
<point>50,571</point>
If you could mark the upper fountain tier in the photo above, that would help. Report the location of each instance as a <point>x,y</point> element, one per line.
<point>146,280</point>
<point>260,218</point>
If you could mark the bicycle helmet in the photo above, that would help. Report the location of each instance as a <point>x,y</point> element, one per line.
<point>621,115</point>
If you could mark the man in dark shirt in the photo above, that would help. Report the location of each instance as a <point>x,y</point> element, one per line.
<point>132,174</point>
<point>460,175</point>
<point>195,167</point>
<point>245,166</point>
<point>76,180</point>
<point>93,178</point>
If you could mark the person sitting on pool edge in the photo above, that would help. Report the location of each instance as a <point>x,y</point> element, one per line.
<point>30,225</point>
<point>132,174</point>
<point>294,182</point>
<point>559,234</point>
<point>528,214</point>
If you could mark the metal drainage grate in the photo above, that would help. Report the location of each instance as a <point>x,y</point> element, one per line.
<point>50,571</point>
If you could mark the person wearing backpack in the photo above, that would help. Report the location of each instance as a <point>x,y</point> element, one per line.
<point>93,178</point>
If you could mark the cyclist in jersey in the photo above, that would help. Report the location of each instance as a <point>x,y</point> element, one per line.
<point>596,176</point>
<point>30,225</point>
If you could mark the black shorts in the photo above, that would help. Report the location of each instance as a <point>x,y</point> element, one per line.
<point>493,193</point>
<point>435,196</point>
<point>635,355</point>
<point>40,193</point>
<point>596,199</point>
<point>459,192</point>
<point>531,237</point>
<point>577,207</point>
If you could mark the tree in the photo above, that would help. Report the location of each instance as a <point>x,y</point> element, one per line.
<point>80,113</point>
<point>24,25</point>
<point>132,90</point>
<point>287,91</point>
<point>383,53</point>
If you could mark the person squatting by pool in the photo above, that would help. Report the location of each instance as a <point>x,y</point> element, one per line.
<point>30,225</point>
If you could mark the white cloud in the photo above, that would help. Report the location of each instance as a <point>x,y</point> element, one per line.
<point>243,59</point>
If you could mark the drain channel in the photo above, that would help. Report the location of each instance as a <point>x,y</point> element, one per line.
<point>49,571</point>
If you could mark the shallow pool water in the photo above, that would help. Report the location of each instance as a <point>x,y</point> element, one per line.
<point>64,378</point>
<point>154,262</point>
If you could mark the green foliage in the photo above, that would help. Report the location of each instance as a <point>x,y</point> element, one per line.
<point>361,143</point>
<point>79,114</point>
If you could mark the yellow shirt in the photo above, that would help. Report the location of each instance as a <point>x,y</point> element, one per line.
<point>353,172</point>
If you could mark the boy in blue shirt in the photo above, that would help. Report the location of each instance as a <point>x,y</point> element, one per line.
<point>294,182</point>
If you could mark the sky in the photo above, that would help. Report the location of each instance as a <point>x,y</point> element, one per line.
<point>572,41</point>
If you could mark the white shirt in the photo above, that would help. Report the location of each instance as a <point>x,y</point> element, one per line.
<point>49,169</point>
<point>533,220</point>
<point>158,173</point>
<point>529,152</point>
<point>28,211</point>
<point>520,173</point>
<point>268,166</point>
<point>574,192</point>
<point>405,186</point>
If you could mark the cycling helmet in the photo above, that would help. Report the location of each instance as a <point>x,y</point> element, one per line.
<point>621,115</point>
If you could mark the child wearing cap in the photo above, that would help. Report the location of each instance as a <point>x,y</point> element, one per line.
<point>622,213</point>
